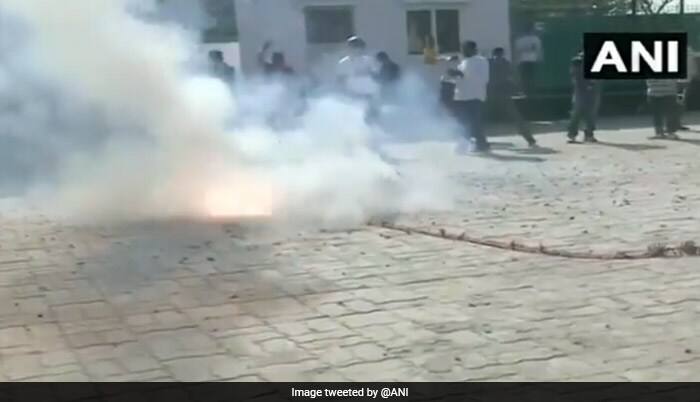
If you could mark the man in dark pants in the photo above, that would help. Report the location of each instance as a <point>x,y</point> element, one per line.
<point>471,79</point>
<point>389,72</point>
<point>663,106</point>
<point>387,76</point>
<point>220,68</point>
<point>683,88</point>
<point>501,89</point>
<point>679,110</point>
<point>583,103</point>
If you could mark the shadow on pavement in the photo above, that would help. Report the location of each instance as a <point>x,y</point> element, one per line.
<point>639,121</point>
<point>631,147</point>
<point>538,151</point>
<point>689,141</point>
<point>511,158</point>
<point>221,263</point>
<point>502,145</point>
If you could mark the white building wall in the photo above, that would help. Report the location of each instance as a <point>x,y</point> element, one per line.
<point>381,23</point>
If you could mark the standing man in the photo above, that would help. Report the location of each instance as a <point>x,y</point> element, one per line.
<point>683,88</point>
<point>220,68</point>
<point>356,76</point>
<point>583,103</point>
<point>501,89</point>
<point>277,65</point>
<point>472,78</point>
<point>388,75</point>
<point>290,102</point>
<point>663,105</point>
<point>528,50</point>
<point>597,94</point>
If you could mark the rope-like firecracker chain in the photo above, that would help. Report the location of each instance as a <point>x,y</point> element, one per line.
<point>685,249</point>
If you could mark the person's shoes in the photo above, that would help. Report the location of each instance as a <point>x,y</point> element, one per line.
<point>684,128</point>
<point>533,144</point>
<point>571,140</point>
<point>463,147</point>
<point>658,136</point>
<point>673,136</point>
<point>590,139</point>
<point>479,148</point>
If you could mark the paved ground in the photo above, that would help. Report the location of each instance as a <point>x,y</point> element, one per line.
<point>201,302</point>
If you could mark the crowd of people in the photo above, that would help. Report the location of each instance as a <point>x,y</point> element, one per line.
<point>475,86</point>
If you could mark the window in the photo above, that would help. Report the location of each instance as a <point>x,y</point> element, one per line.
<point>447,30</point>
<point>439,26</point>
<point>420,29</point>
<point>328,25</point>
<point>222,21</point>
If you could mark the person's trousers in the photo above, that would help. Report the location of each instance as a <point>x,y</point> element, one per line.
<point>373,111</point>
<point>527,76</point>
<point>502,105</point>
<point>596,107</point>
<point>470,114</point>
<point>582,110</point>
<point>663,113</point>
<point>679,110</point>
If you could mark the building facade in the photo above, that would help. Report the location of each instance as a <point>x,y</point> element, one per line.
<point>311,31</point>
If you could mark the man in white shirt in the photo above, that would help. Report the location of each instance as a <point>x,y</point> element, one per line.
<point>528,52</point>
<point>356,75</point>
<point>471,79</point>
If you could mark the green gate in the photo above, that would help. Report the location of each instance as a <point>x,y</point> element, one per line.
<point>562,40</point>
<point>561,25</point>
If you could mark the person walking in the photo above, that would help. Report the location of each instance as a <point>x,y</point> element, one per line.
<point>501,88</point>
<point>661,96</point>
<point>683,89</point>
<point>471,79</point>
<point>583,103</point>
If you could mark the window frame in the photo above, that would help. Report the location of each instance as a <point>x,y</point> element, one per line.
<point>225,26</point>
<point>433,10</point>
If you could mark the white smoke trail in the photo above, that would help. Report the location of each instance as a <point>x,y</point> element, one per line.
<point>154,136</point>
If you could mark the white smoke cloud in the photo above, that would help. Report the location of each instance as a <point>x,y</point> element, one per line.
<point>117,122</point>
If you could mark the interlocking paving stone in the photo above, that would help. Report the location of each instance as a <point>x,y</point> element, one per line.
<point>120,303</point>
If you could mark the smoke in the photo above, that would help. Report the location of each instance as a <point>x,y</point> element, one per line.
<point>106,114</point>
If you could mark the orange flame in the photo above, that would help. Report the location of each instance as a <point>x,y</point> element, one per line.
<point>240,196</point>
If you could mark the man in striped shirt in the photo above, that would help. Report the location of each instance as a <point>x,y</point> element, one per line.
<point>661,95</point>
